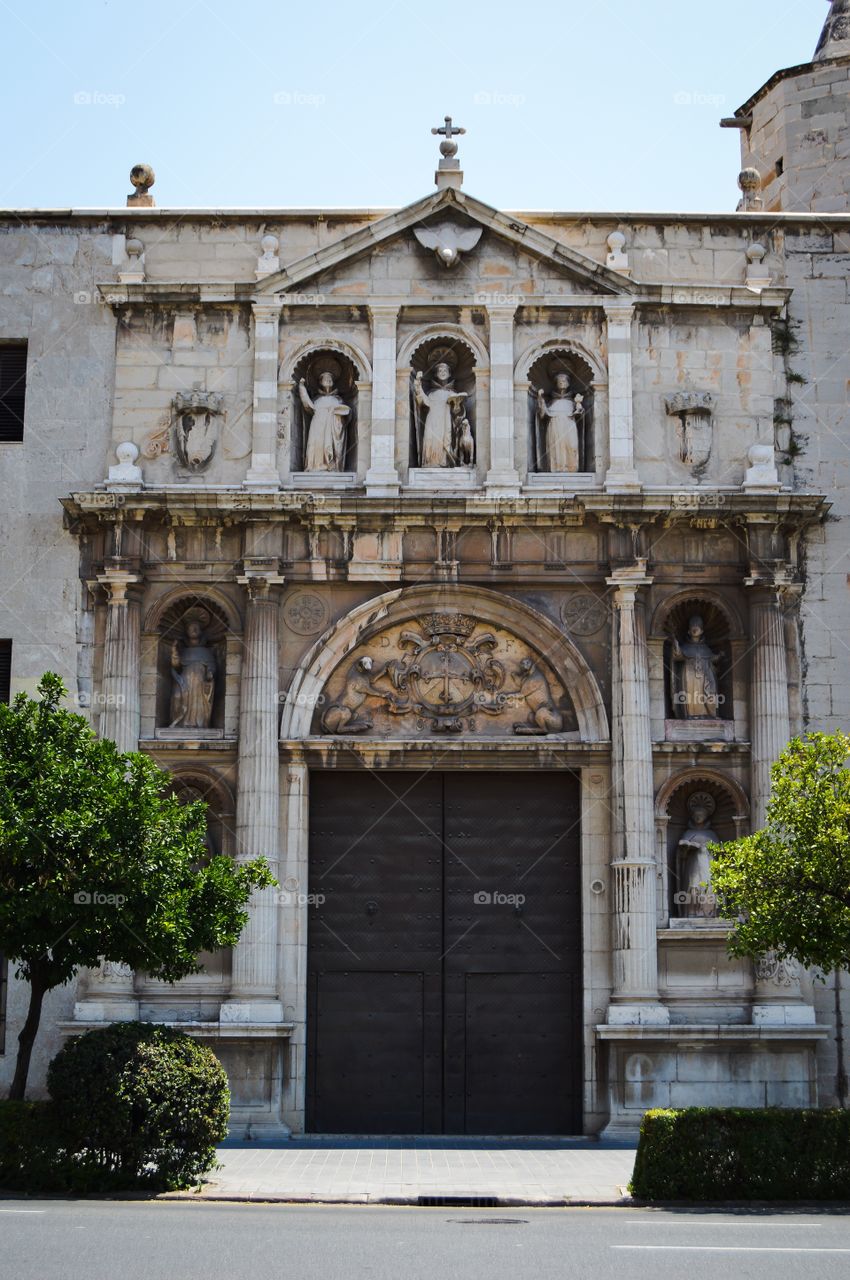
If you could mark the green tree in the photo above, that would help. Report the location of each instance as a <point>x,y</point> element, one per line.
<point>99,860</point>
<point>787,887</point>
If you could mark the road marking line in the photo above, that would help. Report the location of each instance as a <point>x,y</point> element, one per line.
<point>723,1248</point>
<point>23,1211</point>
<point>664,1222</point>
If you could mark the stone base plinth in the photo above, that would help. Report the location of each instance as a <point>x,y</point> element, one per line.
<point>714,730</point>
<point>323,480</point>
<point>442,479</point>
<point>560,482</point>
<point>707,1065</point>
<point>188,735</point>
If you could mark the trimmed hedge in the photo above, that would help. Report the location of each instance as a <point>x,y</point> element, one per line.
<point>133,1105</point>
<point>140,1105</point>
<point>30,1157</point>
<point>718,1153</point>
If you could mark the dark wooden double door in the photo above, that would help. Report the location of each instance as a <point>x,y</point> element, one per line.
<point>444,971</point>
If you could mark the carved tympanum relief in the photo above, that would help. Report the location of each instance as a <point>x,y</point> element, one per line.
<point>444,674</point>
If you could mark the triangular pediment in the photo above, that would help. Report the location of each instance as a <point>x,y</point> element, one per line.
<point>506,233</point>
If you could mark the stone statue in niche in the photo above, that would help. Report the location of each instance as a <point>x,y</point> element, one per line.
<point>193,675</point>
<point>696,695</point>
<point>694,897</point>
<point>195,428</point>
<point>558,424</point>
<point>444,436</point>
<point>325,446</point>
<point>533,688</point>
<point>694,429</point>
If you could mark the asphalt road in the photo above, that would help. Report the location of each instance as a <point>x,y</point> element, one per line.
<point>105,1240</point>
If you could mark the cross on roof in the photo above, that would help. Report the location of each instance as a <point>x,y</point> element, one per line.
<point>448,131</point>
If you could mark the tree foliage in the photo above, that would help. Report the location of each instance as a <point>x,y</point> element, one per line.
<point>99,860</point>
<point>788,885</point>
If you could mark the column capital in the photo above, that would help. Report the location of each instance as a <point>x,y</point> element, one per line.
<point>501,310</point>
<point>261,576</point>
<point>118,580</point>
<point>627,582</point>
<point>383,311</point>
<point>618,312</point>
<point>267,308</point>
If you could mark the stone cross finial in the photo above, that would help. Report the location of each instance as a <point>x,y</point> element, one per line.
<point>448,170</point>
<point>835,37</point>
<point>448,131</point>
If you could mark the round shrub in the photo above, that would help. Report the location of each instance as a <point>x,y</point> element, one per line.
<point>139,1104</point>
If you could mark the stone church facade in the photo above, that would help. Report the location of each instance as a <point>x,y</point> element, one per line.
<point>473,566</point>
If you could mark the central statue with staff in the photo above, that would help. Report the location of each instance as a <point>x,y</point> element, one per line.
<point>443,430</point>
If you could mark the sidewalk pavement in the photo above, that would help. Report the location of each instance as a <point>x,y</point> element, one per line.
<point>509,1171</point>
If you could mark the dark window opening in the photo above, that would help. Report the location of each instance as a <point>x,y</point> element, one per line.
<point>13,388</point>
<point>780,167</point>
<point>5,669</point>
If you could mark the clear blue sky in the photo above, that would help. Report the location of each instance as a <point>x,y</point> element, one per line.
<point>582,104</point>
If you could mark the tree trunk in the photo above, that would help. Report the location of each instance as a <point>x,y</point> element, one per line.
<point>26,1040</point>
<point>841,1071</point>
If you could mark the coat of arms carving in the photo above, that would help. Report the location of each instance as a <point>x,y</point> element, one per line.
<point>450,676</point>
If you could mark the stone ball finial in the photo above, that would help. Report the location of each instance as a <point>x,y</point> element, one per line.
<point>749,180</point>
<point>134,248</point>
<point>142,177</point>
<point>127,453</point>
<point>756,253</point>
<point>616,242</point>
<point>270,244</point>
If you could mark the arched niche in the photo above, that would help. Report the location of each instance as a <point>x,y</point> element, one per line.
<point>191,643</point>
<point>399,617</point>
<point>562,375</point>
<point>669,638</point>
<point>188,785</point>
<point>728,817</point>
<point>325,454</point>
<point>465,359</point>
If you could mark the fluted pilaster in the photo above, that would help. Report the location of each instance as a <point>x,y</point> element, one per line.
<point>635,993</point>
<point>255,968</point>
<point>771,727</point>
<point>120,717</point>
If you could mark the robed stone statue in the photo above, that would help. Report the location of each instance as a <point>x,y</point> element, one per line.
<point>326,436</point>
<point>193,674</point>
<point>558,423</point>
<point>443,430</point>
<point>695,693</point>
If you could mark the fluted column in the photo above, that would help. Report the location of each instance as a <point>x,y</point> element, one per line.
<point>635,994</point>
<point>771,727</point>
<point>108,992</point>
<point>120,717</point>
<point>502,477</point>
<point>254,991</point>
<point>382,478</point>
<point>263,473</point>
